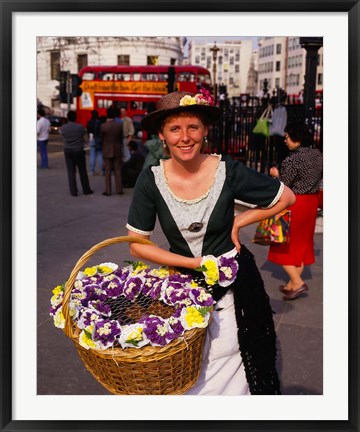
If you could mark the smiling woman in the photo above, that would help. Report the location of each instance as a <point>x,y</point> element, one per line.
<point>192,193</point>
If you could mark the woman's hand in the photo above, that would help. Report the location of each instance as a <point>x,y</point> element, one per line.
<point>274,172</point>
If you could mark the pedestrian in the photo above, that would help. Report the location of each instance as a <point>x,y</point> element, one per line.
<point>192,193</point>
<point>128,132</point>
<point>74,135</point>
<point>42,131</point>
<point>302,172</point>
<point>132,168</point>
<point>155,151</point>
<point>112,141</point>
<point>95,144</point>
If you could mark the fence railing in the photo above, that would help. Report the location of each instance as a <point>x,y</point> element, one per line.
<point>233,133</point>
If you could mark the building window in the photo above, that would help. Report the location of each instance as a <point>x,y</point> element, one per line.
<point>173,61</point>
<point>277,66</point>
<point>123,60</point>
<point>320,78</point>
<point>231,60</point>
<point>237,68</point>
<point>197,60</point>
<point>55,65</point>
<point>220,60</point>
<point>82,61</point>
<point>152,60</point>
<point>278,48</point>
<point>277,82</point>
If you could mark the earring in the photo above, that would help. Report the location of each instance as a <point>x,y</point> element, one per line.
<point>205,139</point>
<point>164,144</point>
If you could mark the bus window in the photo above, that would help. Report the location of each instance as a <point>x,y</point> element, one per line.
<point>107,77</point>
<point>88,76</point>
<point>186,77</point>
<point>123,77</point>
<point>136,77</point>
<point>204,79</point>
<point>104,103</point>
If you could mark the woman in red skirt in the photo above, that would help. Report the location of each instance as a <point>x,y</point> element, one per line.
<point>302,172</point>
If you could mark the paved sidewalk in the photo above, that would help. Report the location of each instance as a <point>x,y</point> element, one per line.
<point>69,226</point>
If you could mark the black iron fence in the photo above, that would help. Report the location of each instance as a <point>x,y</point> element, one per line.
<point>233,133</point>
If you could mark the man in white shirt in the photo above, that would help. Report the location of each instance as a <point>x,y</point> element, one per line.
<point>42,130</point>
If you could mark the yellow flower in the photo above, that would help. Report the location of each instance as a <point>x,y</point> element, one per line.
<point>57,290</point>
<point>104,269</point>
<point>193,317</point>
<point>135,335</point>
<point>85,340</point>
<point>90,271</point>
<point>59,320</point>
<point>212,272</point>
<point>187,100</point>
<point>193,284</point>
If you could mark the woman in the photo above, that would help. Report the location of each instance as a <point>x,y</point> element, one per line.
<point>193,193</point>
<point>302,172</point>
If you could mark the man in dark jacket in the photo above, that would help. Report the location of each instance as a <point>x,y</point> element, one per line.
<point>112,138</point>
<point>74,140</point>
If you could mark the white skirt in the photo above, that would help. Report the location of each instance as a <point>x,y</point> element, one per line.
<point>222,370</point>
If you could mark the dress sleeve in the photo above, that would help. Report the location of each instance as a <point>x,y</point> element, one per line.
<point>251,186</point>
<point>142,212</point>
<point>289,171</point>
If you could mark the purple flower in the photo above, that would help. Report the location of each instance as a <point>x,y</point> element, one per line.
<point>201,297</point>
<point>99,306</point>
<point>180,278</point>
<point>106,332</point>
<point>176,325</point>
<point>132,287</point>
<point>228,268</point>
<point>149,283</point>
<point>88,317</point>
<point>114,287</point>
<point>157,330</point>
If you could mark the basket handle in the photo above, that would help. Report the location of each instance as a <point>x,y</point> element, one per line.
<point>87,255</point>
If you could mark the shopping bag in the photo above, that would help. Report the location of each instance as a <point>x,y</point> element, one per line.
<point>262,123</point>
<point>279,121</point>
<point>274,230</point>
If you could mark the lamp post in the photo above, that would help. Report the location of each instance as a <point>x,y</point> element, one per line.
<point>215,50</point>
<point>312,46</point>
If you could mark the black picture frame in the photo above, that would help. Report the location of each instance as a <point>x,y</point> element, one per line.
<point>7,9</point>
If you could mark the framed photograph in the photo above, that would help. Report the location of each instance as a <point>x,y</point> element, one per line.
<point>23,407</point>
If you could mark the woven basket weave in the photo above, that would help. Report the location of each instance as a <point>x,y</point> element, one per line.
<point>171,369</point>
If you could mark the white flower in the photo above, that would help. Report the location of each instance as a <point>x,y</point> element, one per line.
<point>132,336</point>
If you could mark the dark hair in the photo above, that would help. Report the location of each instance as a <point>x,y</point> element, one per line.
<point>71,116</point>
<point>94,114</point>
<point>133,145</point>
<point>110,113</point>
<point>41,112</point>
<point>298,132</point>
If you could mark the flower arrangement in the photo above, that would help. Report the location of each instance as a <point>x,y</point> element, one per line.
<point>202,98</point>
<point>221,270</point>
<point>132,288</point>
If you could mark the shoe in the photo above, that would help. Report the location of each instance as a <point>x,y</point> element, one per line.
<point>283,289</point>
<point>293,294</point>
<point>89,193</point>
<point>106,194</point>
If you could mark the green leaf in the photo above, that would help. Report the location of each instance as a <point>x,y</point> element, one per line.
<point>204,310</point>
<point>88,334</point>
<point>201,268</point>
<point>132,342</point>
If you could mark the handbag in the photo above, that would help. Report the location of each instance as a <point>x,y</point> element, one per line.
<point>262,123</point>
<point>279,121</point>
<point>274,230</point>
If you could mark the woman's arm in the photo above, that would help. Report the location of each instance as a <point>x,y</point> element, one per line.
<point>257,214</point>
<point>160,256</point>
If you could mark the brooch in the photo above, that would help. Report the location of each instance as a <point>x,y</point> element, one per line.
<point>195,226</point>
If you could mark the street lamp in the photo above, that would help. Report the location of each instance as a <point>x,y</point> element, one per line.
<point>215,50</point>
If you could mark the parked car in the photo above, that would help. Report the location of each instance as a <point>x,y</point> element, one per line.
<point>56,122</point>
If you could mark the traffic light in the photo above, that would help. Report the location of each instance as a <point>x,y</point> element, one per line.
<point>171,79</point>
<point>62,86</point>
<point>76,81</point>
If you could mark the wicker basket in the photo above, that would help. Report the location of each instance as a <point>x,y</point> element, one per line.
<point>149,370</point>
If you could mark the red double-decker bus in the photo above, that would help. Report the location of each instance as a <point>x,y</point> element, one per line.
<point>136,88</point>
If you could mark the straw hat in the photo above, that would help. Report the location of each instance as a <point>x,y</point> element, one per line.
<point>179,102</point>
